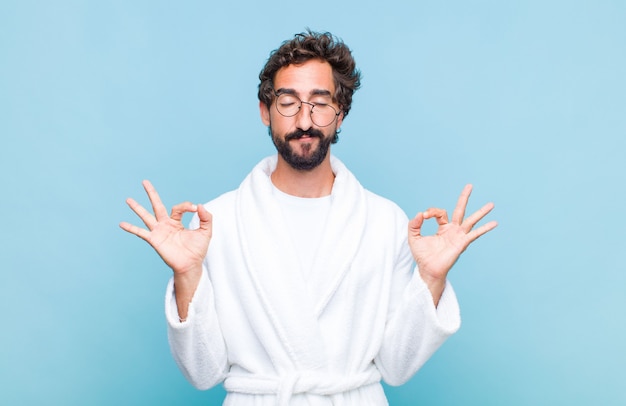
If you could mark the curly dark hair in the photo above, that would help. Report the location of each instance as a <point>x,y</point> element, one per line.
<point>313,45</point>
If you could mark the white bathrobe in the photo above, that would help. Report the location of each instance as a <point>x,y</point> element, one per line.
<point>274,338</point>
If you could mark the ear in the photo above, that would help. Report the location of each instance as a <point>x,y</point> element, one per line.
<point>265,113</point>
<point>340,119</point>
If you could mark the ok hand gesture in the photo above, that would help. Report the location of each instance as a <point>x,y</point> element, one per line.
<point>183,250</point>
<point>436,254</point>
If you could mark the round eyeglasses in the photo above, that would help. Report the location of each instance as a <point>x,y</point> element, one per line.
<point>322,113</point>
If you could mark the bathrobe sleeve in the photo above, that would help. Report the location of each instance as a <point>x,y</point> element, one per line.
<point>197,344</point>
<point>415,329</point>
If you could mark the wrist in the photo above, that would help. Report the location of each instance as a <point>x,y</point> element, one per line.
<point>185,284</point>
<point>189,275</point>
<point>435,285</point>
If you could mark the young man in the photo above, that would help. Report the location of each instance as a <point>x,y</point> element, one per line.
<point>307,294</point>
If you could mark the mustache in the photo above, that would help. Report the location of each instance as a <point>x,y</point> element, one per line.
<point>312,132</point>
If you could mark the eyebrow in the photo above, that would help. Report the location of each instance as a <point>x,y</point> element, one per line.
<point>314,92</point>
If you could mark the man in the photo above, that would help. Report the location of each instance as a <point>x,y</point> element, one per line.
<point>306,294</point>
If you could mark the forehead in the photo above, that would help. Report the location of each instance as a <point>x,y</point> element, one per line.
<point>306,78</point>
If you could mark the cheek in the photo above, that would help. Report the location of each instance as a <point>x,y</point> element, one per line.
<point>331,130</point>
<point>281,125</point>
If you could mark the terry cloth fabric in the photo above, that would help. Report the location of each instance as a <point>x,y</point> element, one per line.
<point>273,337</point>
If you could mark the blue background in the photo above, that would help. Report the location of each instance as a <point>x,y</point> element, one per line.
<point>526,100</point>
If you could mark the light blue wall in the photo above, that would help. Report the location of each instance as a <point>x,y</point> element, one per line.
<point>524,99</point>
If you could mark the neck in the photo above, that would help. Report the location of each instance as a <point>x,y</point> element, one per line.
<point>317,182</point>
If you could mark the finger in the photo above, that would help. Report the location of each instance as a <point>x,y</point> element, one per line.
<point>182,208</point>
<point>145,216</point>
<point>439,214</point>
<point>206,219</point>
<point>473,219</point>
<point>415,225</point>
<point>474,234</point>
<point>461,204</point>
<point>139,232</point>
<point>157,205</point>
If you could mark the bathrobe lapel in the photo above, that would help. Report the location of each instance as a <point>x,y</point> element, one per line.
<point>342,237</point>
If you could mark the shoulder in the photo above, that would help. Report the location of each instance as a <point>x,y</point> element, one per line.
<point>225,201</point>
<point>382,206</point>
<point>375,203</point>
<point>387,224</point>
<point>221,208</point>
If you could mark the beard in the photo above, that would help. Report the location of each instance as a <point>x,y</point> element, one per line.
<point>310,159</point>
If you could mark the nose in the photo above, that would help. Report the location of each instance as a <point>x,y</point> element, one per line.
<point>303,118</point>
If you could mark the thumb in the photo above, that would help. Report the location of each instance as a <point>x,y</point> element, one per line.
<point>415,225</point>
<point>206,219</point>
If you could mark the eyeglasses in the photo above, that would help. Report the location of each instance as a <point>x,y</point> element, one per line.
<point>322,113</point>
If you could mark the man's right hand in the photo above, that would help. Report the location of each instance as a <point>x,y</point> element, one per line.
<point>182,250</point>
